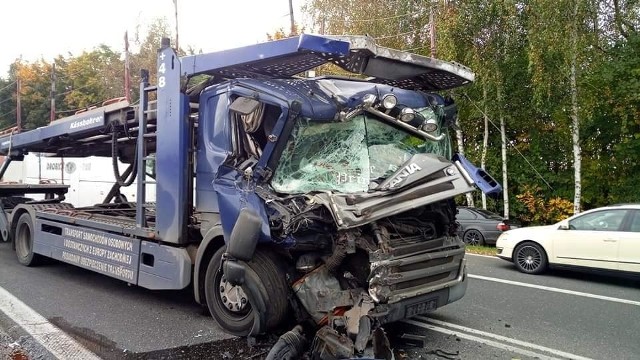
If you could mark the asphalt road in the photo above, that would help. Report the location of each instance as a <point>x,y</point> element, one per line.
<point>565,315</point>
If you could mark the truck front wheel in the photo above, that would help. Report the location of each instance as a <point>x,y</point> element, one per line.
<point>230,306</point>
<point>24,241</point>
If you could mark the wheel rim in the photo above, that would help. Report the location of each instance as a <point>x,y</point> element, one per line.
<point>231,298</point>
<point>529,258</point>
<point>472,238</point>
<point>23,245</point>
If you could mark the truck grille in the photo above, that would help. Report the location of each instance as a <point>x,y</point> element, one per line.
<point>411,269</point>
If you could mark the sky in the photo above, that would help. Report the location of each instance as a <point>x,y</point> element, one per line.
<point>34,29</point>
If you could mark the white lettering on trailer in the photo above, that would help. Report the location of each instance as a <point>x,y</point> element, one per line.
<point>99,239</point>
<point>119,271</point>
<point>86,122</point>
<point>161,70</point>
<point>99,252</point>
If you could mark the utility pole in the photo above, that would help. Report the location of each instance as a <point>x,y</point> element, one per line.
<point>175,5</point>
<point>127,74</point>
<point>293,23</point>
<point>52,115</point>
<point>18,112</point>
<point>432,32</point>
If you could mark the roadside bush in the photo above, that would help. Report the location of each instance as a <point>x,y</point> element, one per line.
<point>539,211</point>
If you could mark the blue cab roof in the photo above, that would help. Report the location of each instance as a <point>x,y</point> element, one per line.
<point>321,98</point>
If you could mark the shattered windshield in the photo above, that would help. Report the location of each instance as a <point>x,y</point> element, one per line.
<point>348,156</point>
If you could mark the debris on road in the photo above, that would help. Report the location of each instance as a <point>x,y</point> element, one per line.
<point>413,340</point>
<point>11,350</point>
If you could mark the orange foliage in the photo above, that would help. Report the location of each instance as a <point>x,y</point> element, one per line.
<point>541,210</point>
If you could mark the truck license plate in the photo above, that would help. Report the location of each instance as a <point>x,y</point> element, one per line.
<point>421,308</point>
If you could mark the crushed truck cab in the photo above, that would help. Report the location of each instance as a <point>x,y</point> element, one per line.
<point>326,201</point>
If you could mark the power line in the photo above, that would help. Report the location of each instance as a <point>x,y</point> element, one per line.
<point>400,34</point>
<point>78,88</point>
<point>513,146</point>
<point>416,48</point>
<point>7,113</point>
<point>14,81</point>
<point>4,101</point>
<point>82,108</point>
<point>377,19</point>
<point>61,73</point>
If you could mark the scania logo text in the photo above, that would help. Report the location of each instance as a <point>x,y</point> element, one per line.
<point>408,170</point>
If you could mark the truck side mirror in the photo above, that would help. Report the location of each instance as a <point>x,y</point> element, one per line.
<point>563,225</point>
<point>244,236</point>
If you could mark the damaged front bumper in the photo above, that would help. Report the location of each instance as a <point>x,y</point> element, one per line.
<point>433,297</point>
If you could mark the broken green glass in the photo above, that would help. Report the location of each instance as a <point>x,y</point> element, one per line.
<point>348,156</point>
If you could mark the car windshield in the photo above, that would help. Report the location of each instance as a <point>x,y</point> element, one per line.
<point>347,156</point>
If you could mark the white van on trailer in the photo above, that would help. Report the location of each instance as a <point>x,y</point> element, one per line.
<point>89,178</point>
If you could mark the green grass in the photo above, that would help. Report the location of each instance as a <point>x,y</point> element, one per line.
<point>482,250</point>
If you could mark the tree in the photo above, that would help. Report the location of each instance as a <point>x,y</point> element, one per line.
<point>555,56</point>
<point>35,85</point>
<point>91,78</point>
<point>148,44</point>
<point>7,103</point>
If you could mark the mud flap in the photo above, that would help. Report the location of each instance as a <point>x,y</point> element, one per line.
<point>259,319</point>
<point>4,226</point>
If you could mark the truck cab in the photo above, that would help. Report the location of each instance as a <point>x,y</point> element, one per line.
<point>325,201</point>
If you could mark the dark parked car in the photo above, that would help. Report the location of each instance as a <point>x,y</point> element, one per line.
<point>480,227</point>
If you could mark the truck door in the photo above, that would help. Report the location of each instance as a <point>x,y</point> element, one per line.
<point>235,180</point>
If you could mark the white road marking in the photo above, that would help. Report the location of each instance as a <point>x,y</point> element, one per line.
<point>484,256</point>
<point>56,341</point>
<point>495,340</point>
<point>558,290</point>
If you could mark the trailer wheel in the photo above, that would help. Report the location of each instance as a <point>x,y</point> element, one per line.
<point>24,241</point>
<point>229,304</point>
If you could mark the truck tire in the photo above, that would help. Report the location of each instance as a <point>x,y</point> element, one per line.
<point>226,304</point>
<point>24,241</point>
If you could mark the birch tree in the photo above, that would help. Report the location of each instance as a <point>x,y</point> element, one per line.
<point>556,53</point>
<point>485,140</point>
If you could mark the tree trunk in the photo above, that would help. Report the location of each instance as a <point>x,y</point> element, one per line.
<point>575,128</point>
<point>485,141</point>
<point>503,138</point>
<point>459,138</point>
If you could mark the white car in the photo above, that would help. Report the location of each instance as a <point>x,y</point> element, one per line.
<point>604,238</point>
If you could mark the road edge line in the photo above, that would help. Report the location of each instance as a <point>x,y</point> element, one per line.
<point>53,339</point>
<point>470,337</point>
<point>484,256</point>
<point>499,337</point>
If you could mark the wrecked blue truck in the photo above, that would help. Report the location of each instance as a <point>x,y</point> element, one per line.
<point>282,199</point>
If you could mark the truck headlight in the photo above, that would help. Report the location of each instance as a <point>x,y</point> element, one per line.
<point>407,114</point>
<point>389,101</point>
<point>430,126</point>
